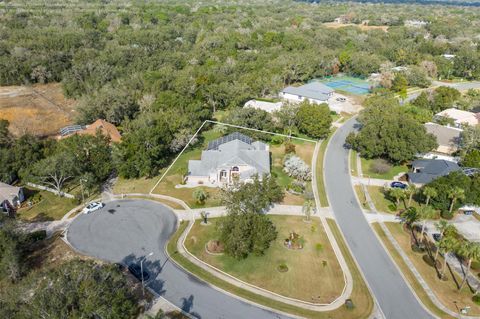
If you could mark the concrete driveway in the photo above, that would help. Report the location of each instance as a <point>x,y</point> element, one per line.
<point>126,231</point>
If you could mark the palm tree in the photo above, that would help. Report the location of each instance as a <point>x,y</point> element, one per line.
<point>410,191</point>
<point>410,216</point>
<point>425,213</point>
<point>398,194</point>
<point>471,251</point>
<point>307,209</point>
<point>429,192</point>
<point>445,229</point>
<point>446,245</point>
<point>456,193</point>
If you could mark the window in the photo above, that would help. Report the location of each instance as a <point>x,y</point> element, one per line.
<point>235,169</point>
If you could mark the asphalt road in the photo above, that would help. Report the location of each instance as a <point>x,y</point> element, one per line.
<point>126,231</point>
<point>394,297</point>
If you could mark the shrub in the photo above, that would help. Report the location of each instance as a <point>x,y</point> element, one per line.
<point>476,299</point>
<point>282,267</point>
<point>295,167</point>
<point>447,214</point>
<point>37,236</point>
<point>380,166</point>
<point>289,148</point>
<point>277,140</point>
<point>475,265</point>
<point>296,187</point>
<point>319,247</point>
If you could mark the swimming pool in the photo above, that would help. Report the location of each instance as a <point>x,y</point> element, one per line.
<point>347,84</point>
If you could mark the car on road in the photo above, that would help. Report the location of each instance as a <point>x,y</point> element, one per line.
<point>398,185</point>
<point>437,236</point>
<point>136,271</point>
<point>94,206</point>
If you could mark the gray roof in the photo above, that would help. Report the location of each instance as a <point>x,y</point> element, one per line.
<point>430,169</point>
<point>312,90</point>
<point>446,135</point>
<point>213,145</point>
<point>8,192</point>
<point>232,153</point>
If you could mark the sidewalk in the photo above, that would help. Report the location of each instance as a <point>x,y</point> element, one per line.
<point>370,181</point>
<point>405,258</point>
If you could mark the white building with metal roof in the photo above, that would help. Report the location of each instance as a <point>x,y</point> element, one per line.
<point>314,92</point>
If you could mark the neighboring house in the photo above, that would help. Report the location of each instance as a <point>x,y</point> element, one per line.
<point>314,92</point>
<point>426,170</point>
<point>449,56</point>
<point>263,105</point>
<point>399,68</point>
<point>448,138</point>
<point>415,23</point>
<point>235,157</point>
<point>343,19</point>
<point>103,126</point>
<point>459,117</point>
<point>11,197</point>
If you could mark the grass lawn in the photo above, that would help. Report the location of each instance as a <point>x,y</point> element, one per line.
<point>134,185</point>
<point>50,206</point>
<point>320,284</point>
<point>360,295</point>
<point>361,196</point>
<point>169,203</point>
<point>320,182</point>
<point>446,291</point>
<point>382,202</point>
<point>304,150</point>
<point>394,171</point>
<point>353,163</point>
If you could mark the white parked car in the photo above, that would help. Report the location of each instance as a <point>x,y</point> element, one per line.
<point>90,208</point>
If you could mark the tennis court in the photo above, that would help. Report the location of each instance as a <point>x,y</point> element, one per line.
<point>347,84</point>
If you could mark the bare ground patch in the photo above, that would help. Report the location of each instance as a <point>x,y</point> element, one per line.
<point>39,110</point>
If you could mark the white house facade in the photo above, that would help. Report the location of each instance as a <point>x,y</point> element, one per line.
<point>232,158</point>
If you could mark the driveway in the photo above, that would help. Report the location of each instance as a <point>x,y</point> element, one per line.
<point>126,231</point>
<point>394,297</point>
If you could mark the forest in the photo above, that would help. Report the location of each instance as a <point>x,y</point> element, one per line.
<point>158,70</point>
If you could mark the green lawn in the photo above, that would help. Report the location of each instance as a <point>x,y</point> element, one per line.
<point>394,171</point>
<point>446,291</point>
<point>353,163</point>
<point>134,185</point>
<point>320,182</point>
<point>382,201</point>
<point>360,295</point>
<point>50,206</point>
<point>308,278</point>
<point>361,196</point>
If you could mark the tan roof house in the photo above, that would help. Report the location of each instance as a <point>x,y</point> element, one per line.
<point>10,197</point>
<point>459,117</point>
<point>448,138</point>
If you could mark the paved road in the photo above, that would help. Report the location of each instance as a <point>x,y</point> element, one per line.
<point>125,231</point>
<point>394,297</point>
<point>457,85</point>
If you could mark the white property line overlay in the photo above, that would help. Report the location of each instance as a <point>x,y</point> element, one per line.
<point>225,124</point>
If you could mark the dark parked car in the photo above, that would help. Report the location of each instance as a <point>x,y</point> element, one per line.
<point>437,236</point>
<point>398,185</point>
<point>136,270</point>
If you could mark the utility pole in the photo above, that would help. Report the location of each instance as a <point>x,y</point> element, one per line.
<point>141,271</point>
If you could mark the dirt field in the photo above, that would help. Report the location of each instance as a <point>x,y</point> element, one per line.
<point>40,109</point>
<point>335,25</point>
